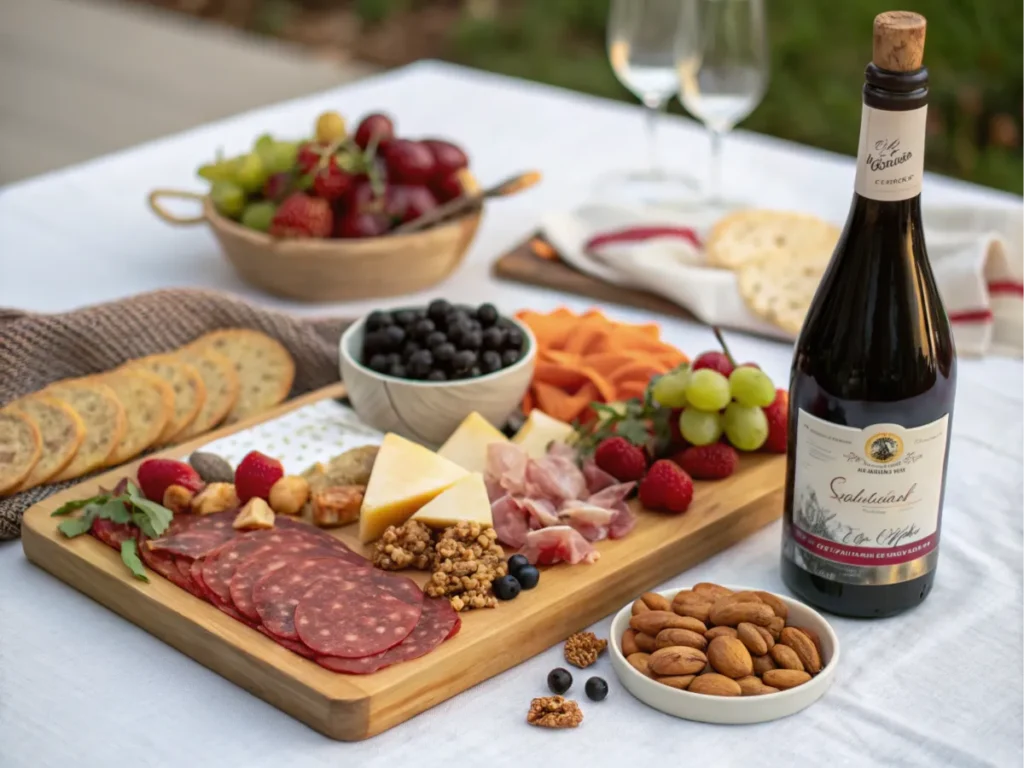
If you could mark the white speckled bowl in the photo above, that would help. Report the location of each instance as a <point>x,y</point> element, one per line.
<point>729,710</point>
<point>426,411</point>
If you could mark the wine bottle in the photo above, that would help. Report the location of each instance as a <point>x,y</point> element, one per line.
<point>874,371</point>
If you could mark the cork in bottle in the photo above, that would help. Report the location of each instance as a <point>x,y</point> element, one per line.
<point>899,41</point>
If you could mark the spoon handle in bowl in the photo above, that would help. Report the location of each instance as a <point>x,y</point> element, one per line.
<point>466,203</point>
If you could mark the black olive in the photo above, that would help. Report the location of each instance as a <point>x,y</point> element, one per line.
<point>487,314</point>
<point>434,339</point>
<point>493,338</point>
<point>437,375</point>
<point>516,562</point>
<point>528,576</point>
<point>506,587</point>
<point>559,680</point>
<point>490,361</point>
<point>444,353</point>
<point>509,357</point>
<point>379,363</point>
<point>438,309</point>
<point>596,688</point>
<point>378,319</point>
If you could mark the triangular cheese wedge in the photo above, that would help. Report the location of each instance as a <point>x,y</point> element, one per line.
<point>467,446</point>
<point>466,500</point>
<point>539,431</point>
<point>405,476</point>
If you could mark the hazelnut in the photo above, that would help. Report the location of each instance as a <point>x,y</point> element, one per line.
<point>178,498</point>
<point>255,514</point>
<point>216,497</point>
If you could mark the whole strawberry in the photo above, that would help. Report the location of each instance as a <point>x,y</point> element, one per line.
<point>156,475</point>
<point>778,423</point>
<point>708,462</point>
<point>255,476</point>
<point>331,183</point>
<point>302,216</point>
<point>666,488</point>
<point>621,459</point>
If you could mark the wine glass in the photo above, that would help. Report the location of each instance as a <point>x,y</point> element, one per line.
<point>721,60</point>
<point>641,49</point>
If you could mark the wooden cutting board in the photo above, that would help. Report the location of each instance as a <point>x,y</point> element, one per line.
<point>350,708</point>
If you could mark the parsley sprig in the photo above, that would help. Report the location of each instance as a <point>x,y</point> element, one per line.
<point>129,507</point>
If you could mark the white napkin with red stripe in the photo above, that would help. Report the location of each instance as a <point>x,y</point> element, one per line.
<point>977,255</point>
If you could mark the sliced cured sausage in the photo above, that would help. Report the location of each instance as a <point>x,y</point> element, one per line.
<point>111,533</point>
<point>200,538</point>
<point>219,566</point>
<point>258,566</point>
<point>277,594</point>
<point>195,571</point>
<point>347,617</point>
<point>437,623</point>
<point>402,587</point>
<point>161,562</point>
<point>292,645</point>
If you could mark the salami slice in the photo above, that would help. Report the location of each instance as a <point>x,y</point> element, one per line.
<point>185,569</point>
<point>161,562</point>
<point>437,623</point>
<point>287,523</point>
<point>202,536</point>
<point>219,566</point>
<point>195,571</point>
<point>277,594</point>
<point>292,645</point>
<point>401,587</point>
<point>111,533</point>
<point>351,619</point>
<point>258,566</point>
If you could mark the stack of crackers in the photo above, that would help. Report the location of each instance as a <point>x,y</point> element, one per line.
<point>778,259</point>
<point>77,426</point>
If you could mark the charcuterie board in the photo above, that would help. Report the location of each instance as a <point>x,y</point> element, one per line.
<point>351,708</point>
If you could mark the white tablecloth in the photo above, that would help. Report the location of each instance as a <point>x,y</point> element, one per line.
<point>79,686</point>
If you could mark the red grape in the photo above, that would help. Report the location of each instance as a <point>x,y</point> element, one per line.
<point>332,183</point>
<point>447,187</point>
<point>447,157</point>
<point>362,198</point>
<point>716,361</point>
<point>361,225</point>
<point>405,202</point>
<point>278,186</point>
<point>409,162</point>
<point>375,124</point>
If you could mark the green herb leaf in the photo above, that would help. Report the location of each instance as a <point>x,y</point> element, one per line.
<point>73,506</point>
<point>634,431</point>
<point>133,491</point>
<point>130,557</point>
<point>115,510</point>
<point>75,526</point>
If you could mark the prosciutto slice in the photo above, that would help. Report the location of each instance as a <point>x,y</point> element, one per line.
<point>541,513</point>
<point>506,467</point>
<point>597,478</point>
<point>592,522</point>
<point>510,521</point>
<point>556,478</point>
<point>558,544</point>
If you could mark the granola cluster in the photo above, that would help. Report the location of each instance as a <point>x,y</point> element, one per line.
<point>554,712</point>
<point>583,648</point>
<point>409,545</point>
<point>467,560</point>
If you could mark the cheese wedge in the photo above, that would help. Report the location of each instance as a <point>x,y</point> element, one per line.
<point>539,431</point>
<point>465,501</point>
<point>467,446</point>
<point>405,476</point>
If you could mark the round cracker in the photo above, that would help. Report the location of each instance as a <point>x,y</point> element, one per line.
<point>746,235</point>
<point>185,382</point>
<point>265,369</point>
<point>20,447</point>
<point>104,418</point>
<point>61,431</point>
<point>148,404</point>
<point>222,385</point>
<point>780,291</point>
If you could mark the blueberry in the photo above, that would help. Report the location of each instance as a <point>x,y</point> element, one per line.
<point>379,363</point>
<point>395,336</point>
<point>596,688</point>
<point>377,320</point>
<point>438,309</point>
<point>506,587</point>
<point>470,340</point>
<point>410,348</point>
<point>375,342</point>
<point>487,314</point>
<point>509,357</point>
<point>444,353</point>
<point>463,360</point>
<point>559,680</point>
<point>394,358</point>
<point>405,317</point>
<point>434,339</point>
<point>493,338</point>
<point>420,363</point>
<point>514,339</point>
<point>490,361</point>
<point>474,372</point>
<point>516,562</point>
<point>422,329</point>
<point>397,370</point>
<point>528,576</point>
<point>456,317</point>
<point>437,375</point>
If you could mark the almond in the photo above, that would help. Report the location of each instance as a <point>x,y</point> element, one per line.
<point>768,689</point>
<point>645,643</point>
<point>768,639</point>
<point>780,608</point>
<point>629,645</point>
<point>712,591</point>
<point>656,602</point>
<point>814,638</point>
<point>738,597</point>
<point>804,648</point>
<point>673,636</point>
<point>750,637</point>
<point>714,632</point>
<point>639,606</point>
<point>786,658</point>
<point>713,684</point>
<point>751,686</point>
<point>731,614</point>
<point>640,662</point>
<point>652,622</point>
<point>677,660</point>
<point>687,603</point>
<point>762,664</point>
<point>730,657</point>
<point>775,626</point>
<point>785,678</point>
<point>676,681</point>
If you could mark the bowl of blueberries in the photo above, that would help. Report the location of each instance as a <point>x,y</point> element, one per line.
<point>419,372</point>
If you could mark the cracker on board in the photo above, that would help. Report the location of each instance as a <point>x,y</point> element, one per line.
<point>222,385</point>
<point>747,235</point>
<point>265,369</point>
<point>780,290</point>
<point>104,418</point>
<point>61,431</point>
<point>148,405</point>
<point>187,385</point>
<point>20,447</point>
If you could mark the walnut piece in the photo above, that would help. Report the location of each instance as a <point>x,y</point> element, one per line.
<point>583,648</point>
<point>178,499</point>
<point>405,546</point>
<point>255,515</point>
<point>554,712</point>
<point>216,497</point>
<point>467,560</point>
<point>288,495</point>
<point>336,505</point>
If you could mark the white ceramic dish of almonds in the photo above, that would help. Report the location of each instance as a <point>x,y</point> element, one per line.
<point>730,710</point>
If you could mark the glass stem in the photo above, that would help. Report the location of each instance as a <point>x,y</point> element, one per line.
<point>653,108</point>
<point>714,192</point>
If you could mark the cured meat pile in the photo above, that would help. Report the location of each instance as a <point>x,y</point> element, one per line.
<point>299,586</point>
<point>551,508</point>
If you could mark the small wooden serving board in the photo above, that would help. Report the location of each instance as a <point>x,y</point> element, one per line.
<point>349,707</point>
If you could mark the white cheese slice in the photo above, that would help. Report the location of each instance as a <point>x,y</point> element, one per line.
<point>467,445</point>
<point>465,501</point>
<point>539,431</point>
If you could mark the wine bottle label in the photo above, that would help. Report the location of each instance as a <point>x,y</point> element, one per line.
<point>866,502</point>
<point>890,160</point>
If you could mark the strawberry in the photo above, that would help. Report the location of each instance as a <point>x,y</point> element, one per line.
<point>778,423</point>
<point>308,156</point>
<point>666,487</point>
<point>716,361</point>
<point>255,476</point>
<point>156,475</point>
<point>332,183</point>
<point>621,459</point>
<point>708,462</point>
<point>302,216</point>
